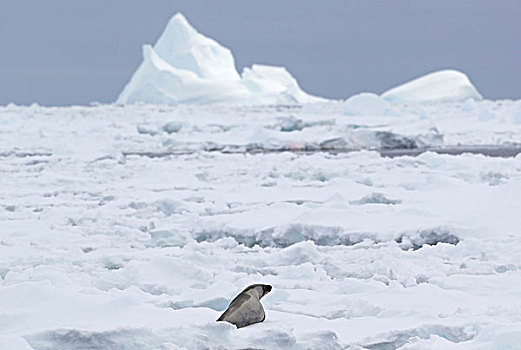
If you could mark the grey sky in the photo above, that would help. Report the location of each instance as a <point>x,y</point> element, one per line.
<point>62,52</point>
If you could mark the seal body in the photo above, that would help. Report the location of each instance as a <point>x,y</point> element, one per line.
<point>246,308</point>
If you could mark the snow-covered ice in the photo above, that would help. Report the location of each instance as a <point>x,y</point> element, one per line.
<point>133,227</point>
<point>440,86</point>
<point>185,66</point>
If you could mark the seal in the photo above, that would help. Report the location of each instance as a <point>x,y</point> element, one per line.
<point>246,308</point>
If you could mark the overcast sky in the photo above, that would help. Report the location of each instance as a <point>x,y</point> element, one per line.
<point>63,52</point>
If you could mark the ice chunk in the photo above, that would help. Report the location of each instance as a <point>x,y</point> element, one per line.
<point>389,140</point>
<point>300,253</point>
<point>169,207</point>
<point>143,129</point>
<point>290,123</point>
<point>440,86</point>
<point>169,238</point>
<point>398,339</point>
<point>416,240</point>
<point>375,198</point>
<point>172,127</point>
<point>366,104</point>
<point>432,138</point>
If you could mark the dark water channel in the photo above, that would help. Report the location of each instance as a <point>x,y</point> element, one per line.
<point>490,151</point>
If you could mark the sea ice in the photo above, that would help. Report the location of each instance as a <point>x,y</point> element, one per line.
<point>132,227</point>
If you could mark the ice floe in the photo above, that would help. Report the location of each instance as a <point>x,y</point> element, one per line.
<point>133,227</point>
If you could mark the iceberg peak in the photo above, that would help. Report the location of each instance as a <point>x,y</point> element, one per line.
<point>183,47</point>
<point>180,20</point>
<point>179,27</point>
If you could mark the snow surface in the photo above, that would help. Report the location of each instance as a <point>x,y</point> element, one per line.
<point>133,227</point>
<point>185,66</point>
<point>440,86</point>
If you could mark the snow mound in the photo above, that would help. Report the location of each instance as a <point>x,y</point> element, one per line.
<point>440,86</point>
<point>185,66</point>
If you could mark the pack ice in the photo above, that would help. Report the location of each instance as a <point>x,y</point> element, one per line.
<point>133,227</point>
<point>185,66</point>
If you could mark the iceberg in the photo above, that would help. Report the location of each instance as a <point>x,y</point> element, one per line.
<point>185,66</point>
<point>440,86</point>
